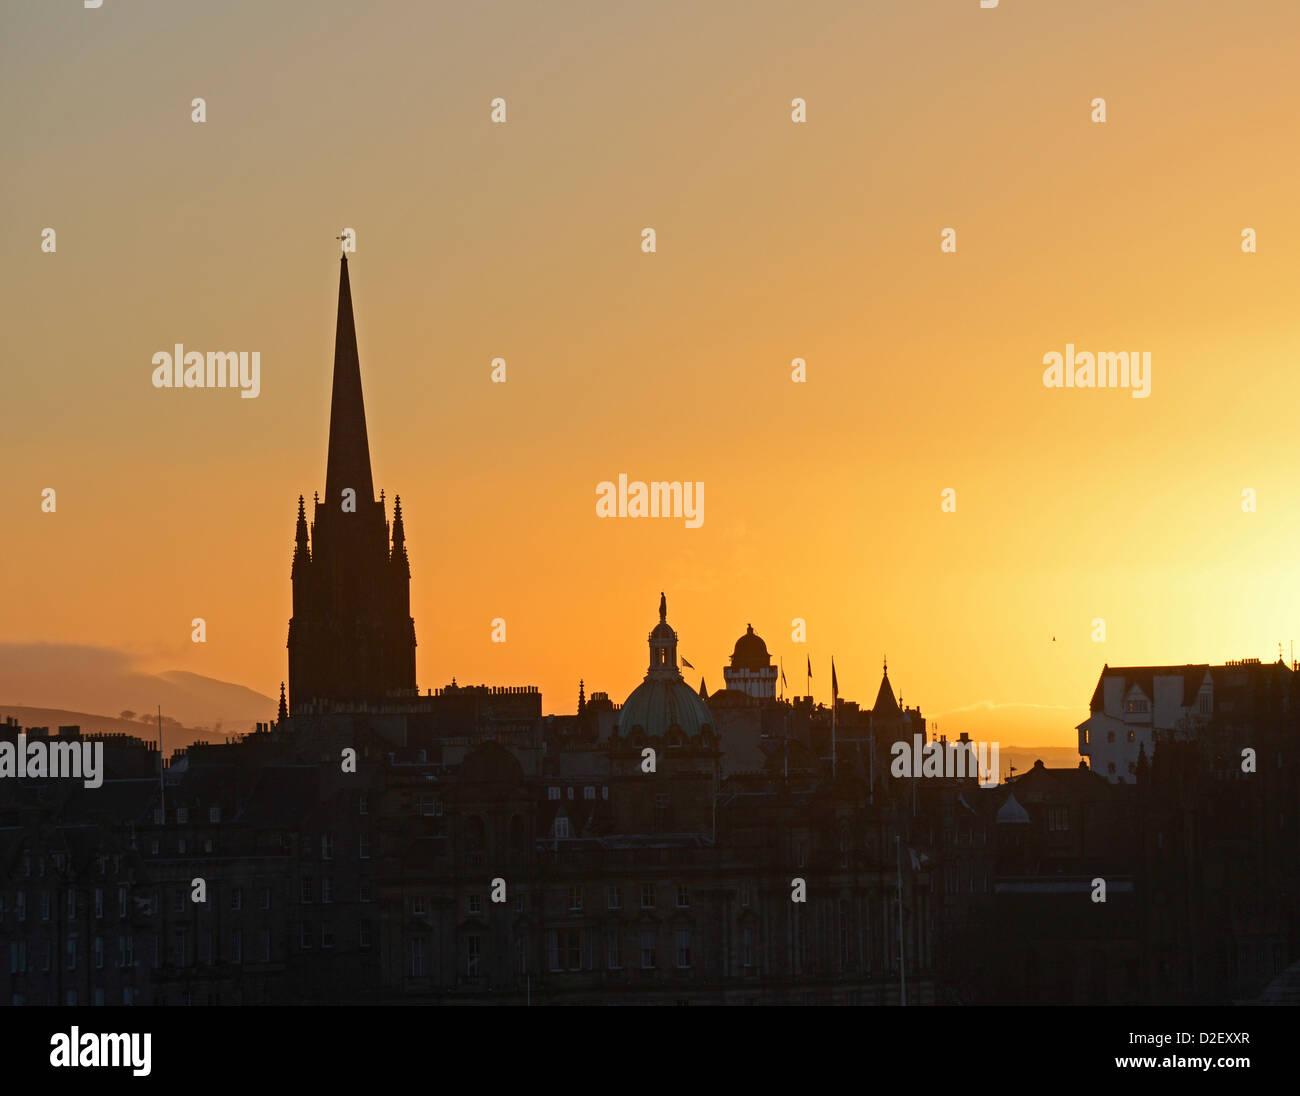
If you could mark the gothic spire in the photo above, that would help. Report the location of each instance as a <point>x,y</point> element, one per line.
<point>283,713</point>
<point>348,464</point>
<point>399,530</point>
<point>301,551</point>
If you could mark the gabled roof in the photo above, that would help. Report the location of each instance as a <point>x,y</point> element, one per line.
<point>1144,678</point>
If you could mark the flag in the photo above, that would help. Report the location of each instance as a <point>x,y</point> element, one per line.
<point>687,664</point>
<point>809,665</point>
<point>835,686</point>
<point>783,673</point>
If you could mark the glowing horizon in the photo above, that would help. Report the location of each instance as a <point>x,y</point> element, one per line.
<point>775,241</point>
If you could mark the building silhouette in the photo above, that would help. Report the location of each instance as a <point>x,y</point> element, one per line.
<point>351,637</point>
<point>377,845</point>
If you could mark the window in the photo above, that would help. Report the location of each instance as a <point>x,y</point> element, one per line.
<point>214,814</point>
<point>589,793</point>
<point>99,952</point>
<point>366,893</point>
<point>363,847</point>
<point>418,908</point>
<point>647,949</point>
<point>647,896</point>
<point>237,898</point>
<point>180,846</point>
<point>615,952</point>
<point>1110,736</point>
<point>327,889</point>
<point>326,934</point>
<point>327,846</point>
<point>473,954</point>
<point>683,948</point>
<point>475,903</point>
<point>562,827</point>
<point>20,905</point>
<point>45,905</point>
<point>800,853</point>
<point>552,793</point>
<point>565,947</point>
<point>1058,818</point>
<point>363,803</point>
<point>744,893</point>
<point>363,935</point>
<point>304,936</point>
<point>306,888</point>
<point>126,951</point>
<point>1111,767</point>
<point>153,847</point>
<point>208,957</point>
<point>266,898</point>
<point>614,898</point>
<point>17,956</point>
<point>178,948</point>
<point>1130,736</point>
<point>604,791</point>
<point>683,896</point>
<point>570,790</point>
<point>575,898</point>
<point>182,816</point>
<point>72,904</point>
<point>265,937</point>
<point>99,903</point>
<point>178,901</point>
<point>661,801</point>
<point>1205,703</point>
<point>747,946</point>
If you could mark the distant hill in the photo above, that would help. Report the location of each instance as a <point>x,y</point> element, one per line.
<point>69,678</point>
<point>1023,757</point>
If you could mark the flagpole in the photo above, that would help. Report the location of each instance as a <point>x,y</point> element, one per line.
<point>834,704</point>
<point>162,786</point>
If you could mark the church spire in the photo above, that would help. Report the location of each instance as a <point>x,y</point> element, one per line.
<point>283,713</point>
<point>301,549</point>
<point>399,530</point>
<point>348,464</point>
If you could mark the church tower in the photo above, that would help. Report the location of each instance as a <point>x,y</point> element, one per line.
<point>351,637</point>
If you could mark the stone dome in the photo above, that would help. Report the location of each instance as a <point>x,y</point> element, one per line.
<point>658,704</point>
<point>663,700</point>
<point>750,652</point>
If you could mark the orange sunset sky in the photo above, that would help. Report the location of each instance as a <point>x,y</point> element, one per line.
<point>775,241</point>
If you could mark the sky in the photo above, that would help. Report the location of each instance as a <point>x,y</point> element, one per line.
<point>775,241</point>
